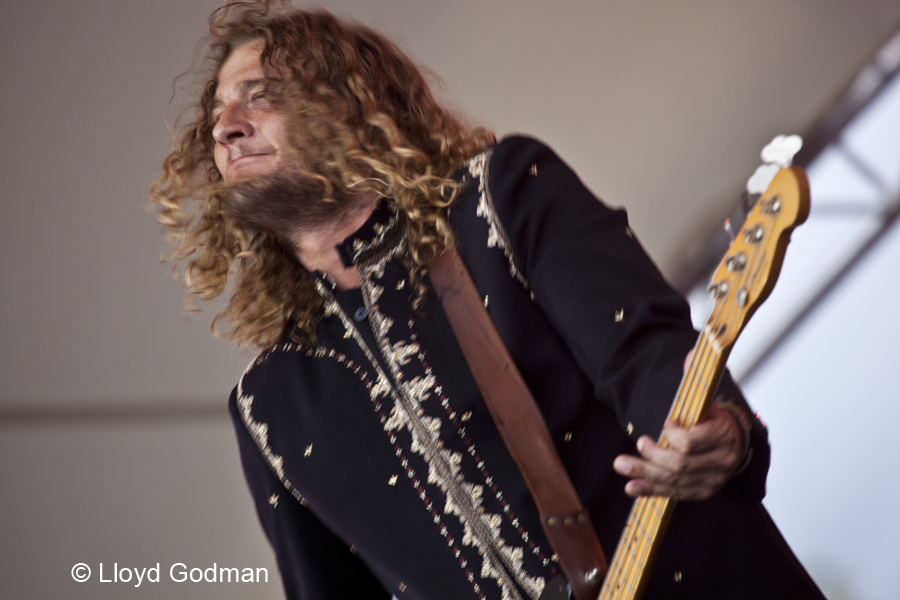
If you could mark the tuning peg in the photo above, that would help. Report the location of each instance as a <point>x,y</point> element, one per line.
<point>781,150</point>
<point>761,178</point>
<point>776,155</point>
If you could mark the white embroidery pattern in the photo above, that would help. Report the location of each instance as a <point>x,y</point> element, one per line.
<point>260,434</point>
<point>479,167</point>
<point>500,562</point>
<point>462,499</point>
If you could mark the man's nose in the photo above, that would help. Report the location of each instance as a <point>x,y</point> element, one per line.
<point>232,125</point>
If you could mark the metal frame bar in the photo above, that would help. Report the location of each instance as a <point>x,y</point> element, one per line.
<point>890,218</point>
<point>867,84</point>
<point>864,88</point>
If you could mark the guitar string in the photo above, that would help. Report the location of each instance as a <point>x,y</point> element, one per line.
<point>624,571</point>
<point>641,549</point>
<point>619,574</point>
<point>613,583</point>
<point>653,523</point>
<point>633,536</point>
<point>697,402</point>
<point>690,412</point>
<point>755,262</point>
<point>698,376</point>
<point>701,372</point>
<point>658,506</point>
<point>694,377</point>
<point>748,278</point>
<point>620,577</point>
<point>708,333</point>
<point>758,257</point>
<point>687,415</point>
<point>686,411</point>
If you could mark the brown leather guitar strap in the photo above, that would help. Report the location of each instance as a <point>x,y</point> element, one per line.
<point>566,523</point>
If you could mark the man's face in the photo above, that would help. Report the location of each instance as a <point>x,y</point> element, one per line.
<point>269,188</point>
<point>251,135</point>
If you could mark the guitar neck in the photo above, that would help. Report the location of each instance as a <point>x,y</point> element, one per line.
<point>643,534</point>
<point>740,284</point>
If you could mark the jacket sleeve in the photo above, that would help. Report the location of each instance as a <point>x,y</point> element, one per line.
<point>627,328</point>
<point>313,562</point>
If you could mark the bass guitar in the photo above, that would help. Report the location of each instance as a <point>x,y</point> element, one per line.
<point>742,281</point>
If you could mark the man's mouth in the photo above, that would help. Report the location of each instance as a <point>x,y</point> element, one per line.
<point>248,157</point>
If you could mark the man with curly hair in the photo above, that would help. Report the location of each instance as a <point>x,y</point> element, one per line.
<point>324,177</point>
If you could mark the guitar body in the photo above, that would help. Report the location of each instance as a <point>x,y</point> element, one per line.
<point>743,280</point>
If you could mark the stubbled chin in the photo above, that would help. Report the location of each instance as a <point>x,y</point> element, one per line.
<point>280,203</point>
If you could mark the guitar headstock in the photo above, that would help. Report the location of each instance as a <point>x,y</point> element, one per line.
<point>747,274</point>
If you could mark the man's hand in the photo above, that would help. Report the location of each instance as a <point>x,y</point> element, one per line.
<point>697,463</point>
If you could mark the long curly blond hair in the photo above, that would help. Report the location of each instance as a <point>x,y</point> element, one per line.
<point>370,122</point>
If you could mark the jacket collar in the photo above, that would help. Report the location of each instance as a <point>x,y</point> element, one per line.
<point>377,236</point>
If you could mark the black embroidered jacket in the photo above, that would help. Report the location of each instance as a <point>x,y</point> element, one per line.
<point>375,466</point>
